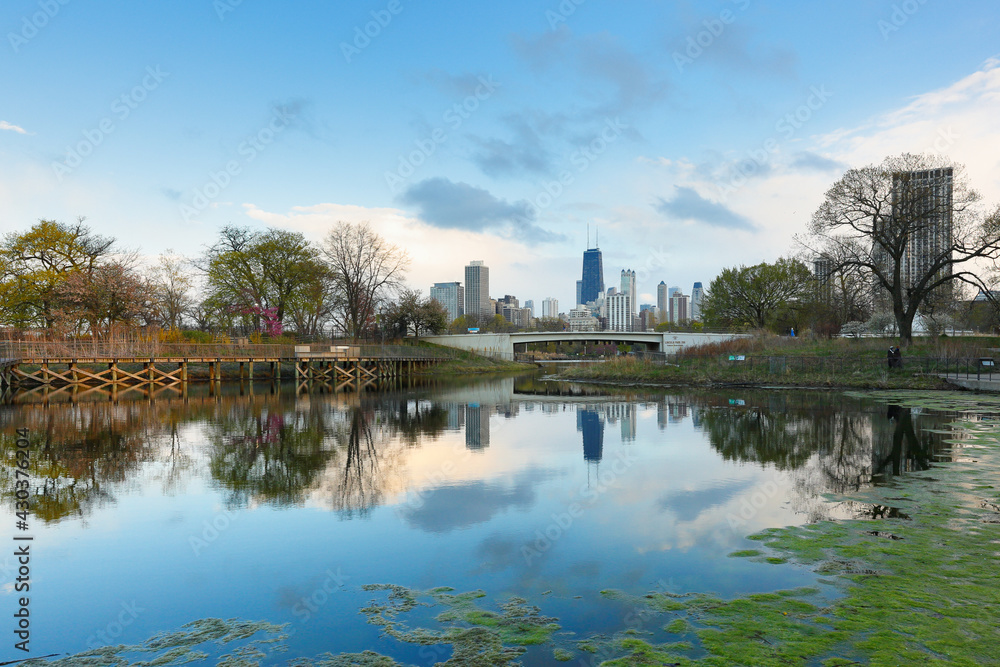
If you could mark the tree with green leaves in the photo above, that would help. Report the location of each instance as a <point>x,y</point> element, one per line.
<point>35,264</point>
<point>250,272</point>
<point>752,295</point>
<point>411,314</point>
<point>912,227</point>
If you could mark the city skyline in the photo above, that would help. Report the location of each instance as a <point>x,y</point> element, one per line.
<point>526,124</point>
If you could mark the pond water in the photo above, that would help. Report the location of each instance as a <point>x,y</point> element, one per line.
<point>261,504</point>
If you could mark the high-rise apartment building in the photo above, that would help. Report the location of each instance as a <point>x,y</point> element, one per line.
<point>628,287</point>
<point>619,307</point>
<point>592,285</point>
<point>925,199</point>
<point>679,308</point>
<point>451,296</point>
<point>477,289</point>
<point>661,301</point>
<point>550,307</point>
<point>697,296</point>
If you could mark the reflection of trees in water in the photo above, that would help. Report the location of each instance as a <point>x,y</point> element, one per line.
<point>828,444</point>
<point>80,454</point>
<point>265,448</point>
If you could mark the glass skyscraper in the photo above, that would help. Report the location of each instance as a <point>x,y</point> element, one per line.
<point>592,285</point>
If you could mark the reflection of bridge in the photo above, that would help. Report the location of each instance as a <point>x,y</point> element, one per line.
<point>503,346</point>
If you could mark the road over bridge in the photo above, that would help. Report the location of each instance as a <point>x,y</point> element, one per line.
<point>503,346</point>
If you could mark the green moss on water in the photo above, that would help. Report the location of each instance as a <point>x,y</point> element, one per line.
<point>562,655</point>
<point>746,553</point>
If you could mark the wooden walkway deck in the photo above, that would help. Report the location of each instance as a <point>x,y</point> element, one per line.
<point>73,364</point>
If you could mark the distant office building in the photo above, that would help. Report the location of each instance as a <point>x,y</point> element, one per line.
<point>671,291</point>
<point>550,307</point>
<point>579,292</point>
<point>592,285</point>
<point>582,319</point>
<point>619,312</point>
<point>477,290</point>
<point>452,297</point>
<point>590,424</point>
<point>662,301</point>
<point>628,287</point>
<point>679,308</point>
<point>530,305</point>
<point>647,319</point>
<point>697,296</point>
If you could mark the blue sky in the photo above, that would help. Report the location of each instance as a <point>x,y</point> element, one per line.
<point>694,135</point>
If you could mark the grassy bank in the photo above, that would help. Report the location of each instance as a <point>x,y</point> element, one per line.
<point>776,361</point>
<point>458,362</point>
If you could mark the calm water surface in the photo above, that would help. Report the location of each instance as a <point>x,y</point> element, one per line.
<point>280,507</point>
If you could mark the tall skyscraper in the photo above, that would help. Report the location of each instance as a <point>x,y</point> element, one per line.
<point>697,296</point>
<point>628,287</point>
<point>662,308</point>
<point>451,296</point>
<point>550,307</point>
<point>579,292</point>
<point>592,285</point>
<point>477,289</point>
<point>530,305</point>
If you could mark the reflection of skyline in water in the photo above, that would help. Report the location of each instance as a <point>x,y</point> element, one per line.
<point>343,450</point>
<point>437,486</point>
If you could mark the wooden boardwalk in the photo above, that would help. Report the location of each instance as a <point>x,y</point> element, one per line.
<point>33,364</point>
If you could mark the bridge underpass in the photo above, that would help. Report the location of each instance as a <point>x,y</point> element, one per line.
<point>503,346</point>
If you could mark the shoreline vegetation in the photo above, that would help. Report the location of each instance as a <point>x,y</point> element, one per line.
<point>913,582</point>
<point>773,361</point>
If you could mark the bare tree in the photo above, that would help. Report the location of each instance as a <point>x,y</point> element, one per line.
<point>911,225</point>
<point>366,269</point>
<point>173,286</point>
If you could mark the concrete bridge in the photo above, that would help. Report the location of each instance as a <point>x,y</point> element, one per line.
<point>503,346</point>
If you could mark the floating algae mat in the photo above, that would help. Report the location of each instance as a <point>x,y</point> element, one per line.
<point>918,588</point>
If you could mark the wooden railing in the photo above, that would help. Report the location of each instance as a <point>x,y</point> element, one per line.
<point>99,349</point>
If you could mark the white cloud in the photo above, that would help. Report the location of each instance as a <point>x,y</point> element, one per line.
<point>437,255</point>
<point>4,125</point>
